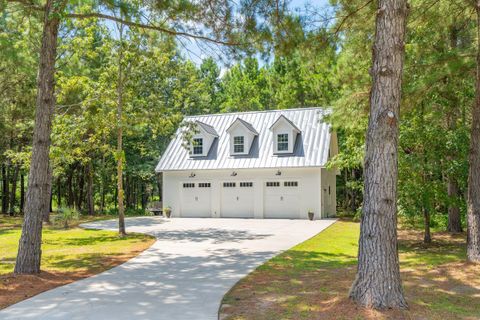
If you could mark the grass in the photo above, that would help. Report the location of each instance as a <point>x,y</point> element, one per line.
<point>311,280</point>
<point>67,255</point>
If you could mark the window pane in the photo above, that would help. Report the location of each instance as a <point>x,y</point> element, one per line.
<point>238,148</point>
<point>273,184</point>
<point>238,140</point>
<point>238,144</point>
<point>282,142</point>
<point>197,146</point>
<point>246,184</point>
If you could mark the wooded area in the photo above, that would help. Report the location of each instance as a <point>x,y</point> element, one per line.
<point>99,87</point>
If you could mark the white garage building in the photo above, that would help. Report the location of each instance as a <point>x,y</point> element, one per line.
<point>265,164</point>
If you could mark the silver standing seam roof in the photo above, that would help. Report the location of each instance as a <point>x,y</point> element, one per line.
<point>311,147</point>
<point>208,128</point>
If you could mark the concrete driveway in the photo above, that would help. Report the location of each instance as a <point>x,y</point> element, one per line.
<point>183,275</point>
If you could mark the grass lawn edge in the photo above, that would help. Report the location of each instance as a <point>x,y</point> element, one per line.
<point>279,253</point>
<point>17,288</point>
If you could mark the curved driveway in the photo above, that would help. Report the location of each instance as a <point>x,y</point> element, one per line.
<point>183,275</point>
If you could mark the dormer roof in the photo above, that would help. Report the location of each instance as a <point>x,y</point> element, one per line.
<point>310,150</point>
<point>283,118</point>
<point>246,124</point>
<point>207,128</point>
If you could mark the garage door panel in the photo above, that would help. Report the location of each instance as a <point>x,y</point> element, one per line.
<point>237,200</point>
<point>282,200</point>
<point>196,201</point>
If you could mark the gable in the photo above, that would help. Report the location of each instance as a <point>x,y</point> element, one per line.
<point>310,150</point>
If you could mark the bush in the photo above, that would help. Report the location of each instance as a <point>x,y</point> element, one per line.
<point>65,216</point>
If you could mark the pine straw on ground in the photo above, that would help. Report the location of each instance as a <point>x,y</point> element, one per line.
<point>437,283</point>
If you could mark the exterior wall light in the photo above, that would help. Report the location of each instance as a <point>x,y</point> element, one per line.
<point>279,173</point>
<point>233,174</point>
<point>192,175</point>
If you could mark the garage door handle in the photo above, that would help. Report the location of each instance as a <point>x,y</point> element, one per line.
<point>281,198</point>
<point>196,198</point>
<point>237,199</point>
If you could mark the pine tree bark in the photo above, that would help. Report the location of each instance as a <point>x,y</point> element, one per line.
<point>59,193</point>
<point>473,202</point>
<point>5,189</point>
<point>427,238</point>
<point>454,218</point>
<point>377,283</point>
<point>13,191</point>
<point>22,192</point>
<point>46,214</point>
<point>36,202</point>
<point>70,197</point>
<point>120,192</point>
<point>81,186</point>
<point>90,201</point>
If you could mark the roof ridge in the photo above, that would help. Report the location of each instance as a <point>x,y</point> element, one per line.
<point>258,111</point>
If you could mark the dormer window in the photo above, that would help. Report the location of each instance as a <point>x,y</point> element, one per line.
<point>242,135</point>
<point>284,134</point>
<point>201,139</point>
<point>282,142</point>
<point>197,146</point>
<point>239,144</point>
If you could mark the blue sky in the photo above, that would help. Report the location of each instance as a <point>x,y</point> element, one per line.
<point>192,51</point>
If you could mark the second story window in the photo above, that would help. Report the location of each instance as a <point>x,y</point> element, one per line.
<point>238,144</point>
<point>282,142</point>
<point>198,146</point>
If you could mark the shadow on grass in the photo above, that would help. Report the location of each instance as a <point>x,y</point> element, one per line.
<point>90,262</point>
<point>414,252</point>
<point>95,239</point>
<point>310,260</point>
<point>302,285</point>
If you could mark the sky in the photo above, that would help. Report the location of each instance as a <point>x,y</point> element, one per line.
<point>196,54</point>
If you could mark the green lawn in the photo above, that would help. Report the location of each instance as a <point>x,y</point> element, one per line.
<point>70,250</point>
<point>311,280</point>
<point>67,255</point>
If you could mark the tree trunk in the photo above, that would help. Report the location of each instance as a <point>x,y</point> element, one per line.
<point>377,283</point>
<point>143,196</point>
<point>90,202</point>
<point>121,209</point>
<point>13,193</point>
<point>59,193</point>
<point>427,238</point>
<point>80,193</point>
<point>22,192</point>
<point>5,189</point>
<point>473,202</point>
<point>103,186</point>
<point>454,219</point>
<point>353,192</point>
<point>46,214</point>
<point>70,198</point>
<point>36,202</point>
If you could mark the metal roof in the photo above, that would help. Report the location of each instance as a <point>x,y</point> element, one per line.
<point>245,124</point>
<point>208,128</point>
<point>287,120</point>
<point>311,147</point>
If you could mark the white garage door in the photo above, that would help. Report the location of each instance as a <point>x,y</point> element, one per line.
<point>282,199</point>
<point>195,200</point>
<point>237,199</point>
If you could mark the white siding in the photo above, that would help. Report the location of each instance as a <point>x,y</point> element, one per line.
<point>308,179</point>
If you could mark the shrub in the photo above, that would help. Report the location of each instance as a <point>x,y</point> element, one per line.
<point>65,216</point>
